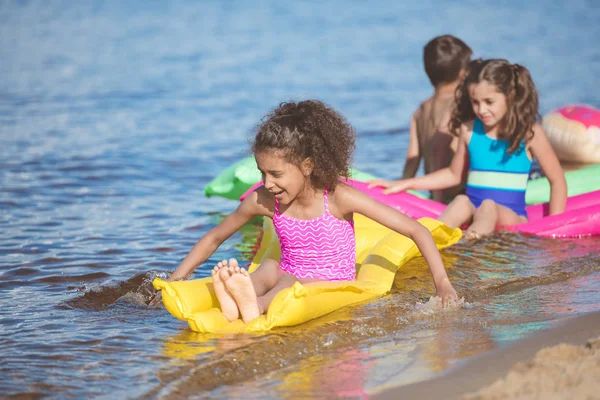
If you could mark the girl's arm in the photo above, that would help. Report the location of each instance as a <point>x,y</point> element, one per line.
<point>441,179</point>
<point>210,242</point>
<point>542,150</point>
<point>350,200</point>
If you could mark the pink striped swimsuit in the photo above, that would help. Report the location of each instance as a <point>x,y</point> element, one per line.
<point>320,248</point>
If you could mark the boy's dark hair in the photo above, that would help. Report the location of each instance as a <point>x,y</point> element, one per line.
<point>444,57</point>
<point>312,129</point>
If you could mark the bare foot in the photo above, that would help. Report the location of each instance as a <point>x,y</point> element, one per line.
<point>220,275</point>
<point>240,286</point>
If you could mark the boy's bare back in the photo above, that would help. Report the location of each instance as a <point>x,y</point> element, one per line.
<point>436,144</point>
<point>445,58</point>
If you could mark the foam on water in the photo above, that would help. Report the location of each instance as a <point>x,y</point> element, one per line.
<point>434,305</point>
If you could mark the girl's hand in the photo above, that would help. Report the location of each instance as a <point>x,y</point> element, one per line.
<point>397,186</point>
<point>379,183</point>
<point>390,186</point>
<point>446,292</point>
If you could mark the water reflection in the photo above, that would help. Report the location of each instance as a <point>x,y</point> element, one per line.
<point>392,340</point>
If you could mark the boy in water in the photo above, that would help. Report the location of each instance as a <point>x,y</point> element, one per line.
<point>445,58</point>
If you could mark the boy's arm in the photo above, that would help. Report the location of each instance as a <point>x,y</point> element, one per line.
<point>352,200</point>
<point>542,150</point>
<point>413,155</point>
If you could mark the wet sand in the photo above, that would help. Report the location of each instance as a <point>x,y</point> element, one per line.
<point>561,362</point>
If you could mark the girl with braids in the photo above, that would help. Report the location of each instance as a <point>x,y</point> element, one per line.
<point>302,151</point>
<point>495,118</point>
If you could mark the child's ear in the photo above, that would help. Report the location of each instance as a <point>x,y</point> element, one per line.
<point>307,166</point>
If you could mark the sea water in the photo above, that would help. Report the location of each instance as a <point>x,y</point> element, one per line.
<point>115,115</point>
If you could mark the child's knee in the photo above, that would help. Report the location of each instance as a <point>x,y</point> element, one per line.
<point>461,198</point>
<point>268,271</point>
<point>289,278</point>
<point>269,265</point>
<point>488,206</point>
<point>488,203</point>
<point>464,201</point>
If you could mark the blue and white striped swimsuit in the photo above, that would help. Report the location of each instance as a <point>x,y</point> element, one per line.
<point>496,174</point>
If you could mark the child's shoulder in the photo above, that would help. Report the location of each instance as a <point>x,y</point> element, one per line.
<point>343,192</point>
<point>421,110</point>
<point>538,134</point>
<point>343,199</point>
<point>260,202</point>
<point>347,195</point>
<point>436,110</point>
<point>466,130</point>
<point>537,127</point>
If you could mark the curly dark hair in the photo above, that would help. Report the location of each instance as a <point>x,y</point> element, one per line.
<point>515,82</point>
<point>309,129</point>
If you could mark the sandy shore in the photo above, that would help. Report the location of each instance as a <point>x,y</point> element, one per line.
<point>559,363</point>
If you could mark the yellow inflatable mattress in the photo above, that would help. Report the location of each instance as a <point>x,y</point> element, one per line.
<point>379,254</point>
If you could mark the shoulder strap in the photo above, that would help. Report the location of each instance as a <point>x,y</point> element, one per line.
<point>276,206</point>
<point>325,201</point>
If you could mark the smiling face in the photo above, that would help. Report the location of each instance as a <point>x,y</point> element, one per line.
<point>282,178</point>
<point>489,105</point>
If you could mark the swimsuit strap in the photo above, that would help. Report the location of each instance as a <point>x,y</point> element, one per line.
<point>276,206</point>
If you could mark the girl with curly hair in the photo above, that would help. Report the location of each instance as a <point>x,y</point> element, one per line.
<point>303,150</point>
<point>496,120</point>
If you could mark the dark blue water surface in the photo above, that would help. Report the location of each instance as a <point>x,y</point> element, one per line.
<point>114,116</point>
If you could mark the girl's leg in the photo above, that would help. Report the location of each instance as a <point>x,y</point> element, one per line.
<point>263,278</point>
<point>484,220</point>
<point>458,212</point>
<point>489,215</point>
<point>285,281</point>
<point>219,274</point>
<point>266,276</point>
<point>245,288</point>
<point>242,290</point>
<point>506,216</point>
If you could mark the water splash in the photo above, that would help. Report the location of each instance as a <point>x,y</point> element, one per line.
<point>138,290</point>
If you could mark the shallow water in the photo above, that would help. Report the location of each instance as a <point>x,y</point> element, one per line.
<point>113,117</point>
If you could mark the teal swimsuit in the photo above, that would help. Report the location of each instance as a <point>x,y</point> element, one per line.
<point>494,173</point>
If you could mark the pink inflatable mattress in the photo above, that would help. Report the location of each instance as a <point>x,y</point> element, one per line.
<point>581,216</point>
